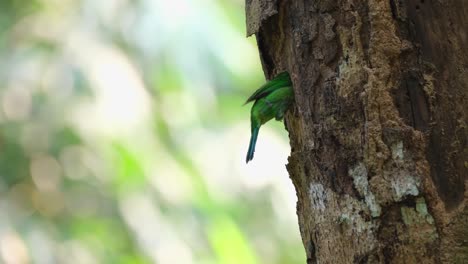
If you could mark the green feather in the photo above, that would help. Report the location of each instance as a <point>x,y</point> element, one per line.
<point>281,80</point>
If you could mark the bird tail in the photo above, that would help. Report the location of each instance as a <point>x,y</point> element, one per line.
<point>253,141</point>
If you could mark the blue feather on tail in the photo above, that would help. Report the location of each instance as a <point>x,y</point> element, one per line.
<point>253,141</point>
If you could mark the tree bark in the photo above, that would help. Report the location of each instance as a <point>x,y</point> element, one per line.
<point>378,131</point>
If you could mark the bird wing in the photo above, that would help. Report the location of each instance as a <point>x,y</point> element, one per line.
<point>274,105</point>
<point>282,99</point>
<point>281,80</point>
<point>283,95</point>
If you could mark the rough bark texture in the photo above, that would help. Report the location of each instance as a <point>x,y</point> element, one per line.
<point>378,132</point>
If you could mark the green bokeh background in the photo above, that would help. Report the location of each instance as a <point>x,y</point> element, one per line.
<point>123,137</point>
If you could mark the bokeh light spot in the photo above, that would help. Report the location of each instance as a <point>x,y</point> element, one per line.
<point>12,249</point>
<point>46,172</point>
<point>16,104</point>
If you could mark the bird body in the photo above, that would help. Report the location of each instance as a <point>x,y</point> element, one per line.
<point>272,100</point>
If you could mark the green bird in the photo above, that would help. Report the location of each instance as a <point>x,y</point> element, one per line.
<point>271,101</point>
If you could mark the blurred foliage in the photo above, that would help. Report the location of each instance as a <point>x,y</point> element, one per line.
<point>122,137</point>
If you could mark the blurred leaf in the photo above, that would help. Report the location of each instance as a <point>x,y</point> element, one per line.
<point>229,243</point>
<point>129,173</point>
<point>14,164</point>
<point>64,137</point>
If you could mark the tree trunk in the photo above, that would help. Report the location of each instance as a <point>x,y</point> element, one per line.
<point>378,131</point>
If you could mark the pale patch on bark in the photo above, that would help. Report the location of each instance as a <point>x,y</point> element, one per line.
<point>397,151</point>
<point>403,185</point>
<point>317,196</point>
<point>359,174</point>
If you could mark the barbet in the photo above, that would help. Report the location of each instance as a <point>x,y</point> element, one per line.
<point>272,100</point>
